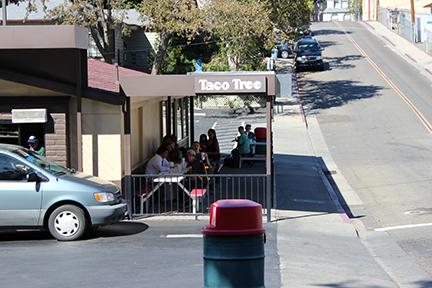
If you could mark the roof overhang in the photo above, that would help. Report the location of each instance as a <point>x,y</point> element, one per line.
<point>43,37</point>
<point>195,84</point>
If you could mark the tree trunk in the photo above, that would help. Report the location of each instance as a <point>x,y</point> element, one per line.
<point>162,49</point>
<point>106,48</point>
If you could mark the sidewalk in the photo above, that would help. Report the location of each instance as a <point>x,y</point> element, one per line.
<point>317,244</point>
<point>404,48</point>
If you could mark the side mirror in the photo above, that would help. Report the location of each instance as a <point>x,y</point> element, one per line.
<point>33,177</point>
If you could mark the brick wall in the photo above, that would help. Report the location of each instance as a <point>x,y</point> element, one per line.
<point>56,142</point>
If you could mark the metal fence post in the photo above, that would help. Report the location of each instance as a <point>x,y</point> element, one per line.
<point>129,199</point>
<point>269,197</point>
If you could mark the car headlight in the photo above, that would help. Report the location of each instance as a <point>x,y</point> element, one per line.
<point>104,197</point>
<point>318,58</point>
<point>303,57</point>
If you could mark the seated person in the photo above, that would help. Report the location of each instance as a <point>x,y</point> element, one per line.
<point>158,163</point>
<point>194,165</point>
<point>170,141</point>
<point>34,146</point>
<point>201,156</point>
<point>250,134</point>
<point>243,142</point>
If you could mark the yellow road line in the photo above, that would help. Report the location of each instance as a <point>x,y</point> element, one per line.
<point>410,104</point>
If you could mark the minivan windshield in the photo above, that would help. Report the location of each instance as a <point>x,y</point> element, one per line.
<point>308,46</point>
<point>41,162</point>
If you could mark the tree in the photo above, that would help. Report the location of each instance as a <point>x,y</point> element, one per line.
<point>181,18</point>
<point>100,16</point>
<point>243,28</point>
<point>287,15</point>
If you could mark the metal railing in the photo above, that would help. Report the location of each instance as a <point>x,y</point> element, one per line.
<point>180,194</point>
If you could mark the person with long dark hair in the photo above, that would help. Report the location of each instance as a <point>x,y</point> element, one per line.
<point>203,142</point>
<point>213,150</point>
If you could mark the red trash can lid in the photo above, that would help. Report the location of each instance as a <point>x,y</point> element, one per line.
<point>234,217</point>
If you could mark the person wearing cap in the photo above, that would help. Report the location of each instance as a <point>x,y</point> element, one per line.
<point>34,146</point>
<point>194,165</point>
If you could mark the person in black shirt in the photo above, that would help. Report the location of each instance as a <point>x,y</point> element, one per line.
<point>213,150</point>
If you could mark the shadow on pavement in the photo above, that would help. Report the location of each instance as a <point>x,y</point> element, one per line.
<point>325,44</point>
<point>348,284</point>
<point>301,187</point>
<point>342,62</point>
<point>114,230</point>
<point>13,235</point>
<point>327,94</point>
<point>119,229</point>
<point>321,32</point>
<point>423,284</point>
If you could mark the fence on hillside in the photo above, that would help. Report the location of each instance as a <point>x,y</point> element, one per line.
<point>400,22</point>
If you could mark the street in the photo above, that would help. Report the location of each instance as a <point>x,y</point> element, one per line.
<point>145,253</point>
<point>374,108</point>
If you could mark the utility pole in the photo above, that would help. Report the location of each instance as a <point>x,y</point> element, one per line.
<point>412,12</point>
<point>369,10</point>
<point>413,20</point>
<point>377,10</point>
<point>4,12</point>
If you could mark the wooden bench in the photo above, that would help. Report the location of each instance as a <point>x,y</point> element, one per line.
<point>254,158</point>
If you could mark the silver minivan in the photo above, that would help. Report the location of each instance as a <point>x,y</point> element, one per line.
<point>38,193</point>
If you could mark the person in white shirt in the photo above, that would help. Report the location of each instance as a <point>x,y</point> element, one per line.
<point>158,163</point>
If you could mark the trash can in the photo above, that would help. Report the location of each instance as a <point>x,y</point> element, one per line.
<point>234,245</point>
<point>260,134</point>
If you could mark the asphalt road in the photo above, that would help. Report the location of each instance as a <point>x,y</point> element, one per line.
<point>128,254</point>
<point>375,138</point>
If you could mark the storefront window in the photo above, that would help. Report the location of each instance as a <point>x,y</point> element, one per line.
<point>9,134</point>
<point>178,123</point>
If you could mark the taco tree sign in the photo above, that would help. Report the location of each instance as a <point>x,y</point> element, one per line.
<point>230,85</point>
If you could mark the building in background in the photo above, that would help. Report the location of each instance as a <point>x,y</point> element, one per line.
<point>73,104</point>
<point>337,10</point>
<point>133,51</point>
<point>396,16</point>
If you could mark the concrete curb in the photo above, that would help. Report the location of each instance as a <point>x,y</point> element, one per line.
<point>399,266</point>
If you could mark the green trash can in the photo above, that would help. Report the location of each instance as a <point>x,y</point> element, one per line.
<point>234,245</point>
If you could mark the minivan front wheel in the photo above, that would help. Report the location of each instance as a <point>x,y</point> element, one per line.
<point>67,223</point>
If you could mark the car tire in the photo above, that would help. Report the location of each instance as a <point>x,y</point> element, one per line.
<point>67,223</point>
<point>285,54</point>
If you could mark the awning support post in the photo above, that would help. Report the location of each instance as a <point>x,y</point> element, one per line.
<point>192,120</point>
<point>127,160</point>
<point>79,94</point>
<point>269,138</point>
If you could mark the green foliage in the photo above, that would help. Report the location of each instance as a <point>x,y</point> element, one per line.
<point>243,27</point>
<point>176,62</point>
<point>287,15</point>
<point>181,18</point>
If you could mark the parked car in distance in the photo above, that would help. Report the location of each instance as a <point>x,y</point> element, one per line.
<point>38,193</point>
<point>308,54</point>
<point>284,50</point>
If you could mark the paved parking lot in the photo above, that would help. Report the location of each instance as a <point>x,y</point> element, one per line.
<point>128,254</point>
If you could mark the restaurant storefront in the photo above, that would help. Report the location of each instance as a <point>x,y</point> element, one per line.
<point>142,190</point>
<point>107,127</point>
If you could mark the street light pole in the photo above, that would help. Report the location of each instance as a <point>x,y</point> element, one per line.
<point>4,12</point>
